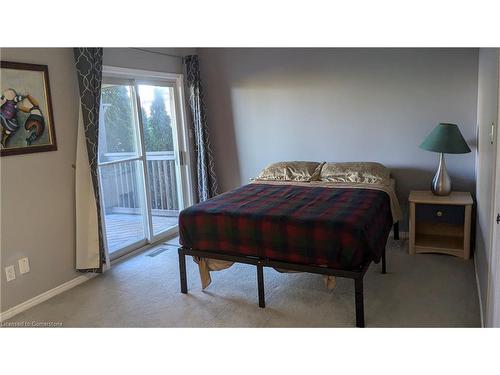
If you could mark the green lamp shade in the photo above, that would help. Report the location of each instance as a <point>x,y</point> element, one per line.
<point>446,138</point>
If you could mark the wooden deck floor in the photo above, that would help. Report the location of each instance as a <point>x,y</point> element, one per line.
<point>125,229</point>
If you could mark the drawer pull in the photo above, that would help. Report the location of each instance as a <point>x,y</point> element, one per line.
<point>439,213</point>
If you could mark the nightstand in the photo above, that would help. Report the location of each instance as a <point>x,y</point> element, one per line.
<point>440,224</point>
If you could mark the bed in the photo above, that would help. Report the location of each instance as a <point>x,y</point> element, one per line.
<point>335,229</point>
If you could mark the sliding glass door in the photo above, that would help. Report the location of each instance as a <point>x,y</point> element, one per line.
<point>158,121</point>
<point>143,181</point>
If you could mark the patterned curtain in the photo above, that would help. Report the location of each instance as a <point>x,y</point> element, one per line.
<point>88,63</point>
<point>205,166</point>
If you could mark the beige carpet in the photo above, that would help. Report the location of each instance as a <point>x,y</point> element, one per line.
<point>425,290</point>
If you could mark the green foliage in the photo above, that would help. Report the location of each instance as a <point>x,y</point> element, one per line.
<point>118,119</point>
<point>157,127</point>
<point>119,132</point>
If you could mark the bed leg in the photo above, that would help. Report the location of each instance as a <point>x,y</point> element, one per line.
<point>182,271</point>
<point>358,297</point>
<point>396,230</point>
<point>260,285</point>
<point>383,261</point>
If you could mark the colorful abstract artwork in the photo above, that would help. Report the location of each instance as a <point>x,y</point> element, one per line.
<point>26,119</point>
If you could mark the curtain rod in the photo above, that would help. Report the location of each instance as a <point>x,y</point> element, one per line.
<point>158,53</point>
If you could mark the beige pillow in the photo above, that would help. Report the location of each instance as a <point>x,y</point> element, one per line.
<point>356,172</point>
<point>304,171</point>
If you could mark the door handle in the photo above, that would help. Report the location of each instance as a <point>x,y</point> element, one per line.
<point>498,218</point>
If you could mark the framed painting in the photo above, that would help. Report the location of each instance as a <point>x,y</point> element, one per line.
<point>26,119</point>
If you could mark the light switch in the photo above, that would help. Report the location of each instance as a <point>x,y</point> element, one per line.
<point>24,265</point>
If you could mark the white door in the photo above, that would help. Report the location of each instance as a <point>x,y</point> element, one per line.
<point>143,163</point>
<point>494,293</point>
<point>495,271</point>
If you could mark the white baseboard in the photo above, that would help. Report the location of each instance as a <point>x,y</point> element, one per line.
<point>45,296</point>
<point>479,294</point>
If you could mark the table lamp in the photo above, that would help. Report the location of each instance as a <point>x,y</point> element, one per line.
<point>445,139</point>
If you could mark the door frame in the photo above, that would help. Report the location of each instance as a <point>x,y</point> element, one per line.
<point>184,134</point>
<point>184,151</point>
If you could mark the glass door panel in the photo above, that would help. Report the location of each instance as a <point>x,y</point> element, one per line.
<point>123,204</point>
<point>160,144</point>
<point>118,129</point>
<point>121,169</point>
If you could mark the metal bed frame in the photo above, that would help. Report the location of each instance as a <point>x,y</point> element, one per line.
<point>260,263</point>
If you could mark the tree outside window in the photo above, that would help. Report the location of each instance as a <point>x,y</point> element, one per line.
<point>119,135</point>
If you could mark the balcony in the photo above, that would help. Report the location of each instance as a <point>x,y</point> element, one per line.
<point>122,187</point>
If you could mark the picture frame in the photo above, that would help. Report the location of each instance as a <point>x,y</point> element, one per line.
<point>26,117</point>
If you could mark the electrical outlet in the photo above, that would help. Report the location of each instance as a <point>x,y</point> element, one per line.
<point>10,273</point>
<point>24,265</point>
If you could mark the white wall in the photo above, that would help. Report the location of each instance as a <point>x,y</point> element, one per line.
<point>487,113</point>
<point>139,59</point>
<point>266,105</point>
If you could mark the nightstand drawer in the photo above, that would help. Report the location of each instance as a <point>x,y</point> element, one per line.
<point>439,213</point>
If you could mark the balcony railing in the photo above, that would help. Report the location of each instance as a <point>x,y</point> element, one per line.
<point>121,185</point>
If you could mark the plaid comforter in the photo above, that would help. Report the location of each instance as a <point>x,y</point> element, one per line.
<point>339,228</point>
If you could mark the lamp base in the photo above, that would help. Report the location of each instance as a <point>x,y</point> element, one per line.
<point>441,183</point>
